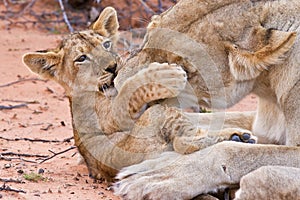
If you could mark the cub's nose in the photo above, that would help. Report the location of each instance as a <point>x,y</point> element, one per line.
<point>111,68</point>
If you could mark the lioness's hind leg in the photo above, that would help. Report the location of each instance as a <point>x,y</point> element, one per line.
<point>190,142</point>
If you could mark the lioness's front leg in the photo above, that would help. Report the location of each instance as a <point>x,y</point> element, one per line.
<point>175,176</point>
<point>157,81</point>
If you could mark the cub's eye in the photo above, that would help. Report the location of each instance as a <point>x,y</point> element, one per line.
<point>107,45</point>
<point>81,58</point>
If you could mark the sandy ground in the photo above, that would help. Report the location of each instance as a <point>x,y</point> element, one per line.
<point>43,114</point>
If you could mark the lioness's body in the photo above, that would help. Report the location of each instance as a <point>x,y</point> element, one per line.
<point>243,38</point>
<point>212,25</point>
<point>218,26</point>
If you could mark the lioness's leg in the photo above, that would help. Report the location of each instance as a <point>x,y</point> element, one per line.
<point>292,114</point>
<point>270,182</point>
<point>185,176</point>
<point>277,182</point>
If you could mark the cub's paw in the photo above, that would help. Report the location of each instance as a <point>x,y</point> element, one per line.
<point>243,136</point>
<point>170,76</point>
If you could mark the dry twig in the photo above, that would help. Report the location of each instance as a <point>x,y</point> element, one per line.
<point>7,188</point>
<point>29,5</point>
<point>10,180</point>
<point>21,101</point>
<point>12,107</point>
<point>22,159</point>
<point>56,154</point>
<point>22,80</point>
<point>4,156</point>
<point>65,16</point>
<point>22,155</point>
<point>47,128</point>
<point>38,140</point>
<point>147,8</point>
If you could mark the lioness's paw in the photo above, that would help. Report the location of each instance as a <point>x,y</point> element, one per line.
<point>245,137</point>
<point>153,179</point>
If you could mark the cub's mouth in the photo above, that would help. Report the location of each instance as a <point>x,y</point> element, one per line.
<point>106,81</point>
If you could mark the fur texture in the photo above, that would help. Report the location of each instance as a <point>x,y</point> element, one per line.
<point>228,48</point>
<point>111,127</point>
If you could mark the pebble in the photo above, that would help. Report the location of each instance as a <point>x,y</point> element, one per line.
<point>41,171</point>
<point>6,166</point>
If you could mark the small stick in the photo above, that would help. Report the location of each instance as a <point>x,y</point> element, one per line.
<point>147,8</point>
<point>47,128</point>
<point>12,107</point>
<point>56,154</point>
<point>6,4</point>
<point>27,7</point>
<point>10,159</point>
<point>7,188</point>
<point>160,6</point>
<point>10,180</point>
<point>22,80</point>
<point>4,158</point>
<point>20,101</point>
<point>65,16</point>
<point>22,155</point>
<point>38,140</point>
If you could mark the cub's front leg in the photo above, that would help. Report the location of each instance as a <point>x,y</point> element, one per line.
<point>157,81</point>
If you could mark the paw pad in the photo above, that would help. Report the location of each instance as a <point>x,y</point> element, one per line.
<point>243,137</point>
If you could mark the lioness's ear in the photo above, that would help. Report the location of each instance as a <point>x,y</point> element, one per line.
<point>43,64</point>
<point>107,24</point>
<point>247,65</point>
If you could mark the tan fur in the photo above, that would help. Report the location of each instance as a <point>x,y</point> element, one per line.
<point>250,46</point>
<point>111,128</point>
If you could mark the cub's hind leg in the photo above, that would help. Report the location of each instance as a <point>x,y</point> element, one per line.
<point>187,136</point>
<point>200,139</point>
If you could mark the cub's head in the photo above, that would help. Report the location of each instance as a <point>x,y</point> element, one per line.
<point>82,57</point>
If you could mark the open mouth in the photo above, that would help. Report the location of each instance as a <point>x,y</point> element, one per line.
<point>106,82</point>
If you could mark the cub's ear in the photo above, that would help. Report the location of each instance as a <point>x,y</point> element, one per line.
<point>107,24</point>
<point>246,65</point>
<point>43,64</point>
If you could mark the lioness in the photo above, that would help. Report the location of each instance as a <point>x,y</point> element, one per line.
<point>110,129</point>
<point>254,48</point>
